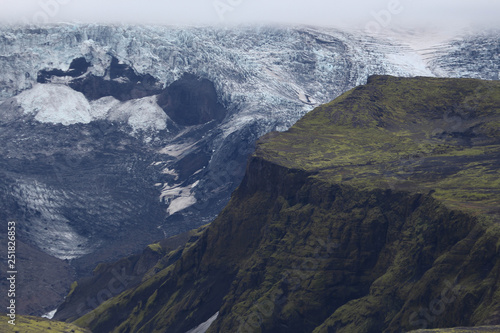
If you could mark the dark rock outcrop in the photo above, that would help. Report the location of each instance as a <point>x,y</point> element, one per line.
<point>191,101</point>
<point>120,80</point>
<point>78,67</point>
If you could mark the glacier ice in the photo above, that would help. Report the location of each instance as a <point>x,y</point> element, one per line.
<point>57,104</point>
<point>265,77</point>
<point>141,114</point>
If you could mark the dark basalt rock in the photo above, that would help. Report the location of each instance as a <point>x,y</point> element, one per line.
<point>78,67</point>
<point>123,84</point>
<point>110,279</point>
<point>191,101</point>
<point>120,81</point>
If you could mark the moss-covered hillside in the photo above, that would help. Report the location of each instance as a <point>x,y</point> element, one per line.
<point>29,324</point>
<point>111,279</point>
<point>375,213</point>
<point>416,134</point>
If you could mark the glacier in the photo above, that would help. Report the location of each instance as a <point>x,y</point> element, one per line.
<point>57,104</point>
<point>103,174</point>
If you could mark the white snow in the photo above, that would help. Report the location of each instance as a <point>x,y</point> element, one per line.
<point>237,122</point>
<point>203,327</point>
<point>170,172</point>
<point>102,106</point>
<point>180,203</point>
<point>410,62</point>
<point>177,197</point>
<point>50,315</point>
<point>58,104</point>
<point>176,150</point>
<point>140,114</point>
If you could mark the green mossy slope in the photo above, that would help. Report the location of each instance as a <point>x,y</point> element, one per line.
<point>402,133</point>
<point>377,212</point>
<point>29,324</point>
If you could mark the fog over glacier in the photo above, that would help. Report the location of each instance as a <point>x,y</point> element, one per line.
<point>360,13</point>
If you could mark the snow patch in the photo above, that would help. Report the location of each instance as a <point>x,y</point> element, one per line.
<point>203,327</point>
<point>176,150</point>
<point>177,197</point>
<point>410,62</point>
<point>180,203</point>
<point>140,114</point>
<point>304,98</point>
<point>102,106</point>
<point>57,104</point>
<point>50,315</point>
<point>170,172</point>
<point>237,123</point>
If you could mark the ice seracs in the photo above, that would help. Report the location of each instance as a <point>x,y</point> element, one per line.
<point>57,104</point>
<point>102,106</point>
<point>140,114</point>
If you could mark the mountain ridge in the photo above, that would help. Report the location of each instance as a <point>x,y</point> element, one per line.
<point>132,154</point>
<point>300,249</point>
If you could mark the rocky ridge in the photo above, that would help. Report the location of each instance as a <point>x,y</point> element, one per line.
<point>131,161</point>
<point>362,217</point>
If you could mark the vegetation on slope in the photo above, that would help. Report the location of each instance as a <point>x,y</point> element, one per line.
<point>412,134</point>
<point>29,324</point>
<point>375,213</point>
<point>111,279</point>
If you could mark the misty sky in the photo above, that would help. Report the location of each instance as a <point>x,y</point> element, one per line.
<point>369,14</point>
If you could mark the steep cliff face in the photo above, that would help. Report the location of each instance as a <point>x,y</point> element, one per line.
<point>374,213</point>
<point>111,279</point>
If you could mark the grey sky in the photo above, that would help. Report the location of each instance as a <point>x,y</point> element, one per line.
<point>371,14</point>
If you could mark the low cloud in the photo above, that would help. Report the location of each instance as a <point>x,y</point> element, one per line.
<point>359,13</point>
